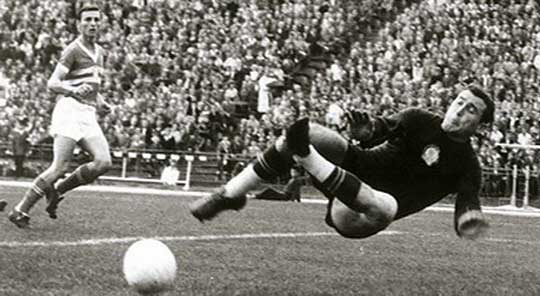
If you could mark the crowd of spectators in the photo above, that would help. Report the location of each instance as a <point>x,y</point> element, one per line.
<point>431,50</point>
<point>193,75</point>
<point>181,71</point>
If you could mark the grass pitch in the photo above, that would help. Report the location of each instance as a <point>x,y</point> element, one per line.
<point>269,248</point>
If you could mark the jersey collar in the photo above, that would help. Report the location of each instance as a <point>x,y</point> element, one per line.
<point>93,56</point>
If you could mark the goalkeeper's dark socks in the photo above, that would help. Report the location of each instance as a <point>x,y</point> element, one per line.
<point>345,186</point>
<point>268,166</point>
<point>298,137</point>
<point>335,180</point>
<point>272,164</point>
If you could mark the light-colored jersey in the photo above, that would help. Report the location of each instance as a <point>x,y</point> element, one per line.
<point>84,66</point>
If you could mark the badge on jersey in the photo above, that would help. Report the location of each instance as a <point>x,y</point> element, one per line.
<point>431,154</point>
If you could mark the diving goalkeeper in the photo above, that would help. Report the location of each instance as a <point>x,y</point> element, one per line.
<point>414,159</point>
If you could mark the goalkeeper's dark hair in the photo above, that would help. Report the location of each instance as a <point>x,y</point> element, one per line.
<point>489,113</point>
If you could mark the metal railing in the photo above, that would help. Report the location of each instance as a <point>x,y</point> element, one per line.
<point>515,184</point>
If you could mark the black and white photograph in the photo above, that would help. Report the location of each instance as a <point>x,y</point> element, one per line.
<point>269,147</point>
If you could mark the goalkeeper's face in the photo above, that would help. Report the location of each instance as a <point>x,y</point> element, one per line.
<point>464,115</point>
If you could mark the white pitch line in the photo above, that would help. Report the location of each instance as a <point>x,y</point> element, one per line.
<point>130,239</point>
<point>504,211</point>
<point>243,236</point>
<point>124,240</point>
<point>511,240</point>
<point>494,210</point>
<point>115,189</point>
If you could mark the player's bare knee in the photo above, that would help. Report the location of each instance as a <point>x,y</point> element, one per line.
<point>102,165</point>
<point>365,227</point>
<point>361,224</point>
<point>58,169</point>
<point>381,219</point>
<point>387,206</point>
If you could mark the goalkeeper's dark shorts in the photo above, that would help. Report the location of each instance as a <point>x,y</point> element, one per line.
<point>380,170</point>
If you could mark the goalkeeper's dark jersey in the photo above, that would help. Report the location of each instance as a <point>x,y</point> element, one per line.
<point>417,163</point>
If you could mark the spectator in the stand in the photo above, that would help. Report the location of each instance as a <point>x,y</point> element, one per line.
<point>20,144</point>
<point>146,132</point>
<point>231,93</point>
<point>265,97</point>
<point>167,137</point>
<point>334,114</point>
<point>170,173</point>
<point>496,136</point>
<point>523,137</point>
<point>237,145</point>
<point>253,149</point>
<point>223,153</point>
<point>136,141</point>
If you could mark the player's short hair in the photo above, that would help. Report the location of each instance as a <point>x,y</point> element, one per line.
<point>489,113</point>
<point>87,7</point>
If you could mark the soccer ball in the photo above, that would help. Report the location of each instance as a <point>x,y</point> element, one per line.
<point>149,266</point>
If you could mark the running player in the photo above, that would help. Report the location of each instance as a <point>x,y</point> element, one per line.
<point>417,159</point>
<point>76,80</point>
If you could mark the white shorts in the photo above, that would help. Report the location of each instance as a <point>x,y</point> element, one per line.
<point>74,120</point>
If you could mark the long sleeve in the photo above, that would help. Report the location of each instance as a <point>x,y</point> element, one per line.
<point>467,207</point>
<point>396,125</point>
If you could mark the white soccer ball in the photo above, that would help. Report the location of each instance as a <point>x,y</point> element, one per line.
<point>149,266</point>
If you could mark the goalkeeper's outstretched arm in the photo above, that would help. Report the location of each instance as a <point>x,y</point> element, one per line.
<point>469,221</point>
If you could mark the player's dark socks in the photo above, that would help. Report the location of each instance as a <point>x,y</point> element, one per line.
<point>272,164</point>
<point>52,205</point>
<point>39,188</point>
<point>344,186</point>
<point>81,176</point>
<point>298,137</point>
